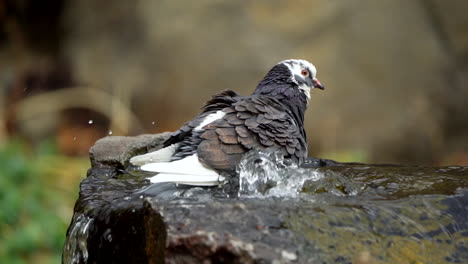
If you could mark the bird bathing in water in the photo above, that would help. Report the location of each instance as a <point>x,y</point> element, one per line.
<point>230,125</point>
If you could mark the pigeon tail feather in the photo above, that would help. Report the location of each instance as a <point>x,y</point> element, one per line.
<point>188,171</point>
<point>161,155</point>
<point>195,180</point>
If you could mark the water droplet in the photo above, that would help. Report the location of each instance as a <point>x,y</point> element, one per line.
<point>152,123</point>
<point>90,122</point>
<point>108,234</point>
<point>110,132</point>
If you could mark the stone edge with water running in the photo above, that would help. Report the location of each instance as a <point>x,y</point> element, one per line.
<point>114,224</point>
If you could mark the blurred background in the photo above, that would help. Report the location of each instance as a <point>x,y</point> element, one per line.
<point>74,71</point>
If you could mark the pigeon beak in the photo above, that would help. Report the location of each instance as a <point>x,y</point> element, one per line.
<point>318,84</point>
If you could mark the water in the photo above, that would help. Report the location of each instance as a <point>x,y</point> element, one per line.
<point>75,249</point>
<point>266,173</point>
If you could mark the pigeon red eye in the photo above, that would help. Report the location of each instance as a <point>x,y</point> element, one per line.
<point>304,72</point>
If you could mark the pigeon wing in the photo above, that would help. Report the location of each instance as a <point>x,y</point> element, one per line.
<point>253,122</point>
<point>216,103</point>
<point>185,133</point>
<point>274,125</point>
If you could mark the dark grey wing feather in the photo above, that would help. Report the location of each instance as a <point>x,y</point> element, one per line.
<point>220,101</point>
<point>251,122</point>
<point>274,126</point>
<point>190,139</point>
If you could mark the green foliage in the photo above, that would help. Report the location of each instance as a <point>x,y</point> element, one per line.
<point>31,229</point>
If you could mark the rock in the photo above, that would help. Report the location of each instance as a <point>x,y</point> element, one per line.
<point>118,150</point>
<point>355,213</point>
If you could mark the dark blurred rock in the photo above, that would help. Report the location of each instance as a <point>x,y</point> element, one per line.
<point>384,214</point>
<point>33,25</point>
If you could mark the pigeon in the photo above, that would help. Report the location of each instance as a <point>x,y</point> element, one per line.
<point>230,125</point>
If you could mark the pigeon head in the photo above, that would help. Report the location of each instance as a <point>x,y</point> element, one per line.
<point>291,81</point>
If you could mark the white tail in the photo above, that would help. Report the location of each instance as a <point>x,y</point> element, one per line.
<point>185,171</point>
<point>161,155</point>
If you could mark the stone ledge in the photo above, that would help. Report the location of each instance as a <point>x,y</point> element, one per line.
<point>117,150</point>
<point>415,212</point>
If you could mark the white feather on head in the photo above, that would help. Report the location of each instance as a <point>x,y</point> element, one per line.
<point>296,66</point>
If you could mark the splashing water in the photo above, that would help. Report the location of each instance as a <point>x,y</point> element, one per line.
<point>267,173</point>
<point>75,249</point>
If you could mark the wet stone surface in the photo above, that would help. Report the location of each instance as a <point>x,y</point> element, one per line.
<point>343,213</point>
